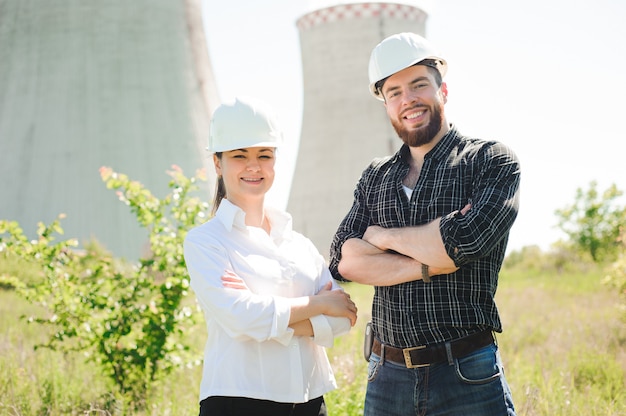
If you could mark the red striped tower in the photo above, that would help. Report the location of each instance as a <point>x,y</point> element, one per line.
<point>343,126</point>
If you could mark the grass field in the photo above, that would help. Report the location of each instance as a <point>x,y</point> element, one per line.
<point>563,346</point>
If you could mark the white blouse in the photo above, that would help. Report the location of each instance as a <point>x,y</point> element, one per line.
<point>250,350</point>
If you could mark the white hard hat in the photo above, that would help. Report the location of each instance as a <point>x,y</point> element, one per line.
<point>244,122</point>
<point>398,52</point>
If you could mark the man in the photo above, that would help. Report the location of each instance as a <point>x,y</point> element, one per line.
<point>428,229</point>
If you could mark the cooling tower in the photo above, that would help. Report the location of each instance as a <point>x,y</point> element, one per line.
<point>343,126</point>
<point>85,84</point>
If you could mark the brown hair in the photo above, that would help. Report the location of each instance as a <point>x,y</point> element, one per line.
<point>220,189</point>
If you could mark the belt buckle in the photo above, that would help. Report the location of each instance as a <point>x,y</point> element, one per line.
<point>407,357</point>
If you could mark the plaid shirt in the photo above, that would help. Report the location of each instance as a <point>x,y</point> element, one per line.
<point>457,171</point>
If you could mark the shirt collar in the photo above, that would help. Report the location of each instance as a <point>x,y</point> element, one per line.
<point>445,145</point>
<point>231,216</point>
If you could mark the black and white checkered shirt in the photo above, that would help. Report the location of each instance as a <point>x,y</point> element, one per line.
<point>457,171</point>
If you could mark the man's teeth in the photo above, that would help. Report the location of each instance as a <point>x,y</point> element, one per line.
<point>414,115</point>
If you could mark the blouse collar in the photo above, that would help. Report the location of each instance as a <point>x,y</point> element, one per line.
<point>231,216</point>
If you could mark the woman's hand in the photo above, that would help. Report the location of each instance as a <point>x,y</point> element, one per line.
<point>330,302</point>
<point>232,281</point>
<point>336,303</point>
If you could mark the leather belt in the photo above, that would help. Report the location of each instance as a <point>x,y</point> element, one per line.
<point>426,355</point>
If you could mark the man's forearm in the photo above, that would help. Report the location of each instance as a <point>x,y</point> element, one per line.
<point>422,243</point>
<point>363,263</point>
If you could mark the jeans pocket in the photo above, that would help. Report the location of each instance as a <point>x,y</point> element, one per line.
<point>480,367</point>
<point>372,367</point>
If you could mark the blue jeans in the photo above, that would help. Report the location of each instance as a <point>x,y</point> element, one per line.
<point>473,385</point>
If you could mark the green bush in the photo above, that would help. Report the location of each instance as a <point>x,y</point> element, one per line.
<point>129,319</point>
<point>594,222</point>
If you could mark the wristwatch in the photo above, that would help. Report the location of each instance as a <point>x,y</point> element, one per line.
<point>425,275</point>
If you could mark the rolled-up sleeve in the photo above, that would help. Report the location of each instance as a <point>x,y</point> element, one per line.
<point>353,225</point>
<point>494,206</point>
<point>326,328</point>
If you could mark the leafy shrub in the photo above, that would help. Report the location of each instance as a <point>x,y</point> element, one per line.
<point>594,222</point>
<point>561,258</point>
<point>130,319</point>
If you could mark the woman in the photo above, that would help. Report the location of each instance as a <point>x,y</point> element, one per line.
<point>268,298</point>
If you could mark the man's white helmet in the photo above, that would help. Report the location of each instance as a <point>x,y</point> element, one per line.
<point>398,52</point>
<point>244,122</point>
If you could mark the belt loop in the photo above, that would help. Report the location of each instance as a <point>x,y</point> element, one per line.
<point>449,353</point>
<point>382,353</point>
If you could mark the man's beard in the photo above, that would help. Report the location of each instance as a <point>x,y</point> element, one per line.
<point>422,135</point>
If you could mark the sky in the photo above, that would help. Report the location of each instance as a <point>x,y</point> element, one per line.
<point>545,77</point>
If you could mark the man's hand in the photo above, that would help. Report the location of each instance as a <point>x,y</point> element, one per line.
<point>435,271</point>
<point>375,236</point>
<point>381,237</point>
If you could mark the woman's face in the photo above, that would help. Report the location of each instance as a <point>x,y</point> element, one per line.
<point>247,173</point>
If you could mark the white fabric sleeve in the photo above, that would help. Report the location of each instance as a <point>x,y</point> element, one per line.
<point>326,328</point>
<point>281,332</point>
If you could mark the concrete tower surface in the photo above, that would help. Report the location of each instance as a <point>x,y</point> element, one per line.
<point>85,84</point>
<point>343,126</point>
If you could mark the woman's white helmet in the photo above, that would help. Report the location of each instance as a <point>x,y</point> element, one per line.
<point>244,122</point>
<point>398,52</point>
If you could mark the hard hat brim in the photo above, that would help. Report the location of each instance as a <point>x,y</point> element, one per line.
<point>252,143</point>
<point>442,67</point>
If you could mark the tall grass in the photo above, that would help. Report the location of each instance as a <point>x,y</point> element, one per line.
<point>563,347</point>
<point>564,344</point>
